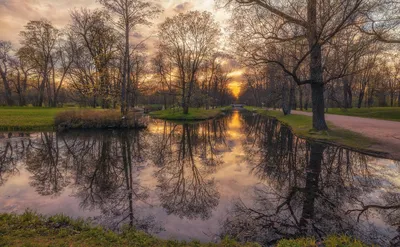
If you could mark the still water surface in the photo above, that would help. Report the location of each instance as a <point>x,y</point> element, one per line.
<point>241,175</point>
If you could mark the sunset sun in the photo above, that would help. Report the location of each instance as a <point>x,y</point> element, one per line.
<point>235,88</point>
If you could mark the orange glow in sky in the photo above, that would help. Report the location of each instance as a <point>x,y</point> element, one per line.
<point>235,87</point>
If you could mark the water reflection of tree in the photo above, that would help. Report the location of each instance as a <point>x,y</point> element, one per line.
<point>12,150</point>
<point>186,155</point>
<point>308,189</point>
<point>48,167</point>
<point>109,179</point>
<point>103,169</point>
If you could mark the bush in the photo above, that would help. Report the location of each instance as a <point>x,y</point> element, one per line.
<point>154,107</point>
<point>98,119</point>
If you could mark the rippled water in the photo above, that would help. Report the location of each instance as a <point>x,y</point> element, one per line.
<point>240,175</point>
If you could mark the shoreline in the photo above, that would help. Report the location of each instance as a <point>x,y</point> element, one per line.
<point>195,114</point>
<point>334,136</point>
<point>33,229</point>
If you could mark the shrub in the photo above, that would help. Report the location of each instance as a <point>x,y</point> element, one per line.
<point>98,119</point>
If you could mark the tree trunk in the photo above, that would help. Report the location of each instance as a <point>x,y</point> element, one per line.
<point>391,98</point>
<point>130,99</point>
<point>370,101</point>
<point>382,98</point>
<point>316,71</point>
<point>318,107</point>
<point>41,93</point>
<point>124,71</point>
<point>360,98</point>
<point>293,102</point>
<point>350,97</point>
<point>287,104</point>
<point>7,89</point>
<point>345,95</point>
<point>94,105</point>
<point>185,106</point>
<point>24,86</point>
<point>285,108</point>
<point>398,99</point>
<point>301,98</point>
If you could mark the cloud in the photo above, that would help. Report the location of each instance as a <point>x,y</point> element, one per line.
<point>183,7</point>
<point>15,14</point>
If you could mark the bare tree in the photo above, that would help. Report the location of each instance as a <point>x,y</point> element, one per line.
<point>130,13</point>
<point>61,63</point>
<point>39,41</point>
<point>138,73</point>
<point>5,49</point>
<point>163,70</point>
<point>94,48</point>
<point>187,40</point>
<point>21,69</point>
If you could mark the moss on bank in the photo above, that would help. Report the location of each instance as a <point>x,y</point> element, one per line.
<point>302,126</point>
<point>31,229</point>
<point>195,114</point>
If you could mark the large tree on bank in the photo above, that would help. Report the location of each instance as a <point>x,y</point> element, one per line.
<point>262,27</point>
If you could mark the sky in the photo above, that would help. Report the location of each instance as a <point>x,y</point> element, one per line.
<point>15,14</point>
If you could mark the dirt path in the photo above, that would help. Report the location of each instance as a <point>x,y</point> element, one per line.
<point>386,133</point>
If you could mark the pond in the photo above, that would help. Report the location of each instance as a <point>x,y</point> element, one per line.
<point>240,175</point>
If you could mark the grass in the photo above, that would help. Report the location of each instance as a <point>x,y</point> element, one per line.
<point>42,118</point>
<point>385,113</point>
<point>330,241</point>
<point>195,114</point>
<point>97,119</point>
<point>31,229</point>
<point>302,127</point>
<point>28,118</point>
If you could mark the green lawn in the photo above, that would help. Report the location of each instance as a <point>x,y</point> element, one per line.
<point>31,229</point>
<point>28,118</point>
<point>302,126</point>
<point>42,118</point>
<point>386,113</point>
<point>195,114</point>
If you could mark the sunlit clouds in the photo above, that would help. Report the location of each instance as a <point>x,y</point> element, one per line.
<point>14,14</point>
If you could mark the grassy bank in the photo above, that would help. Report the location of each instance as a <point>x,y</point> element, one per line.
<point>195,114</point>
<point>28,118</point>
<point>42,118</point>
<point>302,126</point>
<point>385,113</point>
<point>31,229</point>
